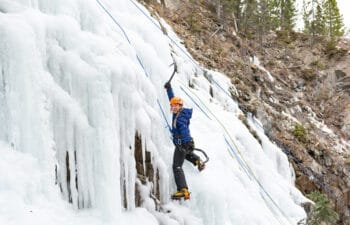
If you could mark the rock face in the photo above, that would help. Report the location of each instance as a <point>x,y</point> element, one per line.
<point>342,86</point>
<point>311,88</point>
<point>147,175</point>
<point>299,89</point>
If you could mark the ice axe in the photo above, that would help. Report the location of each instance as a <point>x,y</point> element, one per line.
<point>175,69</point>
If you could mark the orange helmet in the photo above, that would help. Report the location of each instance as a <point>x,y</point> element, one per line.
<point>176,100</point>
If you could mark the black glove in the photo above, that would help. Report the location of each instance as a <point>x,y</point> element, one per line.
<point>167,85</point>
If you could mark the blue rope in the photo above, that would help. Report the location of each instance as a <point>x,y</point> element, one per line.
<point>175,43</point>
<point>140,62</point>
<point>251,176</point>
<point>246,170</point>
<point>138,58</point>
<point>298,162</point>
<point>220,87</point>
<point>164,116</point>
<point>148,17</point>
<point>195,103</point>
<point>143,67</point>
<point>115,21</point>
<point>124,33</point>
<point>238,158</point>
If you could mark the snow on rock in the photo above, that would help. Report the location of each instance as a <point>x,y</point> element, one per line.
<point>255,61</point>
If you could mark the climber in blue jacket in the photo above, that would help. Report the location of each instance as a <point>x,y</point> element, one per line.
<point>184,144</point>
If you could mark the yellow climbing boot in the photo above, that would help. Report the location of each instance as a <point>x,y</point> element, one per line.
<point>183,193</point>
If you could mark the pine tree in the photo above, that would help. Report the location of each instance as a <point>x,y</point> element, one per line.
<point>243,12</point>
<point>288,13</point>
<point>233,8</point>
<point>263,20</point>
<point>274,13</point>
<point>237,6</point>
<point>307,15</point>
<point>256,17</point>
<point>319,21</point>
<point>249,18</point>
<point>253,16</point>
<point>314,20</point>
<point>322,212</point>
<point>334,26</point>
<point>282,14</point>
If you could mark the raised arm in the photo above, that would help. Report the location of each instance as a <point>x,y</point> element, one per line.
<point>169,90</point>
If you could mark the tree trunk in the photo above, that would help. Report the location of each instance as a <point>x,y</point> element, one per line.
<point>218,9</point>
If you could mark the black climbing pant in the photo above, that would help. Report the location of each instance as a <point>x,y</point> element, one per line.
<point>181,153</point>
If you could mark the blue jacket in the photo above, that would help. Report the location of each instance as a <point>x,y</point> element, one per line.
<point>180,129</point>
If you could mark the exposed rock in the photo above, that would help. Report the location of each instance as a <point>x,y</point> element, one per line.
<point>145,173</point>
<point>171,4</point>
<point>304,184</point>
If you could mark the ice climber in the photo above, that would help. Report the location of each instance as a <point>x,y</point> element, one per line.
<point>184,144</point>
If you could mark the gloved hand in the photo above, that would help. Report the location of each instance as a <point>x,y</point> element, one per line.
<point>167,85</point>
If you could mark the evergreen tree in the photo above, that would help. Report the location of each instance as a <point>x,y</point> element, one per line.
<point>319,21</point>
<point>274,13</point>
<point>288,13</point>
<point>314,21</point>
<point>322,212</point>
<point>307,15</point>
<point>250,18</point>
<point>233,8</point>
<point>282,14</point>
<point>264,16</point>
<point>237,11</point>
<point>334,26</point>
<point>263,20</point>
<point>255,18</point>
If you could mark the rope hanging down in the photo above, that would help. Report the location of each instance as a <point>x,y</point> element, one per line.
<point>138,58</point>
<point>240,158</point>
<point>126,36</point>
<point>181,49</point>
<point>195,102</point>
